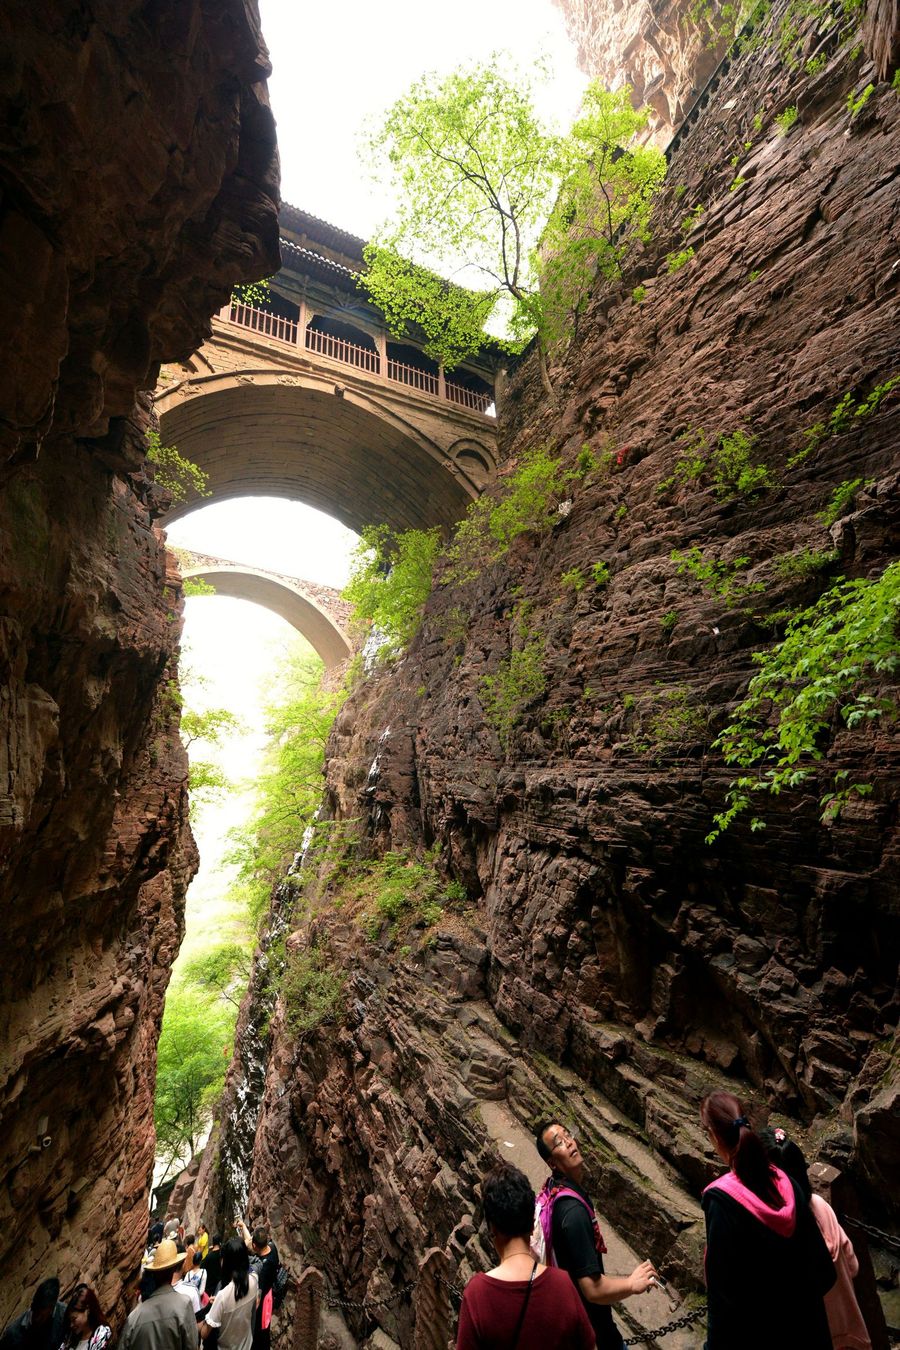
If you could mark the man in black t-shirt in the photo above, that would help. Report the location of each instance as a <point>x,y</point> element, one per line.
<point>577,1243</point>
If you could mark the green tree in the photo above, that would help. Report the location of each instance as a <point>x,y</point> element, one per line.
<point>602,209</point>
<point>222,970</point>
<point>487,190</point>
<point>192,1058</point>
<point>206,778</point>
<point>289,788</point>
<point>390,581</point>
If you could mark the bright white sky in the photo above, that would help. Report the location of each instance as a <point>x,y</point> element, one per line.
<point>335,67</point>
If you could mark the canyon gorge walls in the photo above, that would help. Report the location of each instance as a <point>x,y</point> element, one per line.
<point>139,181</point>
<point>594,958</point>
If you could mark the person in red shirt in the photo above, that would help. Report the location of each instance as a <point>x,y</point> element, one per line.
<point>520,1304</point>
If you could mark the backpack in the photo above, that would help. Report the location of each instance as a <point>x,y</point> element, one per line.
<point>552,1190</point>
<point>280,1287</point>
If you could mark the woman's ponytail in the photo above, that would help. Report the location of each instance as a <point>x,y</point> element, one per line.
<point>723,1114</point>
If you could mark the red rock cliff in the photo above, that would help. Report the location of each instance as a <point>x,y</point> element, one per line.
<point>611,966</point>
<point>139,182</point>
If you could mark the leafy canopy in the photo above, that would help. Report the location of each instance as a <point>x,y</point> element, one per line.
<point>524,218</point>
<point>192,1059</point>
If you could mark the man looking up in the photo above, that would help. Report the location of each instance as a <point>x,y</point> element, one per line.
<point>577,1243</point>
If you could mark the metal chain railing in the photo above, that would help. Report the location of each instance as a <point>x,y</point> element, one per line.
<point>680,1322</point>
<point>368,1306</point>
<point>880,1236</point>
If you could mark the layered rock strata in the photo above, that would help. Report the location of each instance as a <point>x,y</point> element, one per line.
<point>139,182</point>
<point>608,964</point>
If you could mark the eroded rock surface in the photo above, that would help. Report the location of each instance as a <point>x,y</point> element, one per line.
<point>140,178</point>
<point>139,183</point>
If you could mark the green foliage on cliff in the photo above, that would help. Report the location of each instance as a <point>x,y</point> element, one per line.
<point>529,502</point>
<point>392,573</point>
<point>827,672</point>
<point>180,477</point>
<point>721,578</point>
<point>751,24</point>
<point>390,582</point>
<point>518,681</point>
<point>289,788</point>
<point>311,990</point>
<point>525,218</point>
<point>842,418</point>
<point>728,465</point>
<point>842,500</point>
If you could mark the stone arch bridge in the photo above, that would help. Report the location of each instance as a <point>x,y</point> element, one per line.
<point>307,396</point>
<point>318,612</point>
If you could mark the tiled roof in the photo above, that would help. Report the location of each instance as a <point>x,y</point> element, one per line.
<point>306,223</point>
<point>306,257</point>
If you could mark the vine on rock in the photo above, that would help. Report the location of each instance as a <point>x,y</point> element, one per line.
<point>827,670</point>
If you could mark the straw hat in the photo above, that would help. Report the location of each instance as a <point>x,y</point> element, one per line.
<point>166,1257</point>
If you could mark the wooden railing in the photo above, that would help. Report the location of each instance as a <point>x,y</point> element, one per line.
<point>468,398</point>
<point>354,354</point>
<point>260,321</point>
<point>339,349</point>
<point>413,376</point>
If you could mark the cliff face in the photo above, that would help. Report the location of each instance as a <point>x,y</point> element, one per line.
<point>609,966</point>
<point>140,178</point>
<point>666,51</point>
<point>139,182</point>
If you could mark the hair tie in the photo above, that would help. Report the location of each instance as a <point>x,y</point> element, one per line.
<point>739,1121</point>
<point>780,1135</point>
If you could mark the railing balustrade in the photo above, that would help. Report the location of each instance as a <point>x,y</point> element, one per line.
<point>468,398</point>
<point>413,376</point>
<point>354,354</point>
<point>261,321</point>
<point>339,349</point>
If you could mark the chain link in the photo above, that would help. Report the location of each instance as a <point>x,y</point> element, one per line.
<point>687,1321</point>
<point>889,1239</point>
<point>348,1305</point>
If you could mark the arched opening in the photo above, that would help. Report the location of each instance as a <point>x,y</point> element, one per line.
<point>310,440</point>
<point>302,611</point>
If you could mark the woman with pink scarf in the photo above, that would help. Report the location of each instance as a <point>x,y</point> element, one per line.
<point>845,1321</point>
<point>767,1266</point>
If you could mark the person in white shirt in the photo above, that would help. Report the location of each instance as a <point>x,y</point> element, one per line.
<point>232,1309</point>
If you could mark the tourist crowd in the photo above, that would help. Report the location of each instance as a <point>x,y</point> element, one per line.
<point>190,1291</point>
<point>779,1266</point>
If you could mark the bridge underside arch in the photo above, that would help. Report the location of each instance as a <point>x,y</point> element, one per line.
<point>332,450</point>
<point>322,633</point>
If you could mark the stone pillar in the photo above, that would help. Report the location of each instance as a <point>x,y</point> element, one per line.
<point>308,1294</point>
<point>442,382</point>
<point>835,1187</point>
<point>434,1315</point>
<point>302,321</point>
<point>381,344</point>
